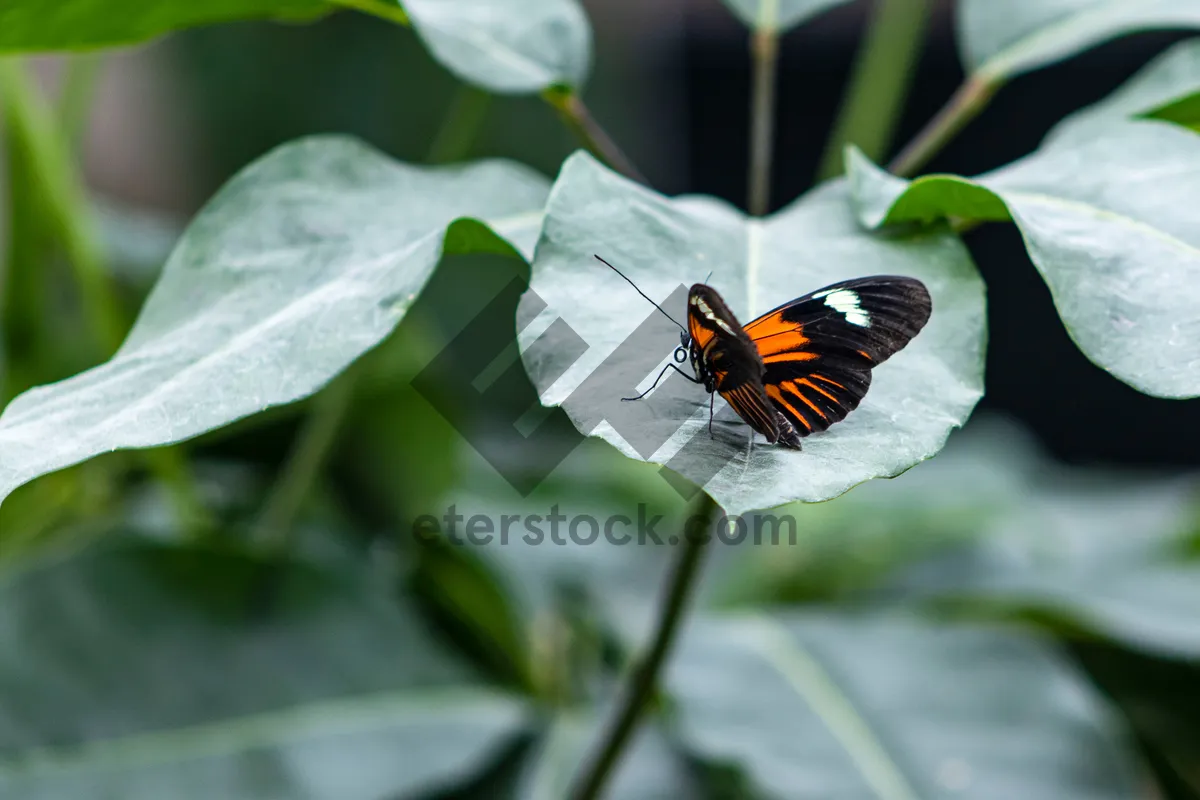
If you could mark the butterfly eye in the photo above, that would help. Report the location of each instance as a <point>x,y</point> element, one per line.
<point>680,354</point>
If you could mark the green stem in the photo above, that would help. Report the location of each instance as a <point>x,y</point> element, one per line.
<point>39,137</point>
<point>75,100</point>
<point>579,120</point>
<point>970,99</point>
<point>461,126</point>
<point>880,82</point>
<point>764,49</point>
<point>305,462</point>
<point>390,11</point>
<point>642,680</point>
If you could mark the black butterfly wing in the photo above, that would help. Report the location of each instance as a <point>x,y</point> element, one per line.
<point>818,350</point>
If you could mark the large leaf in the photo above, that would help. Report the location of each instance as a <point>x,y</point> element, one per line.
<point>307,259</point>
<point>143,671</point>
<point>833,707</point>
<point>600,348</point>
<point>778,15</point>
<point>1167,88</point>
<point>1112,224</point>
<point>1002,40</point>
<point>501,45</point>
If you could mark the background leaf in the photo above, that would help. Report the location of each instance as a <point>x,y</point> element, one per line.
<point>779,15</point>
<point>200,672</point>
<point>665,245</point>
<point>307,259</point>
<point>1003,40</point>
<point>506,46</point>
<point>29,25</point>
<point>831,706</point>
<point>1167,88</point>
<point>1111,224</point>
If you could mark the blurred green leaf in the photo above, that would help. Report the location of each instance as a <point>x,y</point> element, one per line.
<point>1112,224</point>
<point>778,15</point>
<point>304,261</point>
<point>665,245</point>
<point>1168,88</point>
<point>1003,40</point>
<point>826,706</point>
<point>30,25</point>
<point>500,45</point>
<point>1104,555</point>
<point>139,670</point>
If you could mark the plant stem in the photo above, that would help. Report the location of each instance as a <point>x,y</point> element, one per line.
<point>764,50</point>
<point>582,124</point>
<point>40,139</point>
<point>390,11</point>
<point>970,99</point>
<point>880,82</point>
<point>643,678</point>
<point>461,126</point>
<point>305,461</point>
<point>75,100</point>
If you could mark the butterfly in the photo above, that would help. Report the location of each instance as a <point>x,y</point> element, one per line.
<point>803,365</point>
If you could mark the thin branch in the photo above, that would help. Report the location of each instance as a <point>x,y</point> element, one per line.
<point>461,125</point>
<point>764,50</point>
<point>642,680</point>
<point>880,82</point>
<point>583,125</point>
<point>970,99</point>
<point>304,463</point>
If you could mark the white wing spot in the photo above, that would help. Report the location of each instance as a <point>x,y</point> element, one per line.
<point>845,302</point>
<point>709,315</point>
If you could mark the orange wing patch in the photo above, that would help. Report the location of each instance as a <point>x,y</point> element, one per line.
<point>778,340</point>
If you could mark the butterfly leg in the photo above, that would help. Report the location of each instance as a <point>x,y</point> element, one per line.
<point>712,397</point>
<point>660,377</point>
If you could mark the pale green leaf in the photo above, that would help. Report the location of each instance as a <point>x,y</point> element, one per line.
<point>141,671</point>
<point>779,15</point>
<point>1112,224</point>
<point>665,245</point>
<point>303,262</point>
<point>1001,40</point>
<point>506,46</point>
<point>1167,88</point>
<point>827,706</point>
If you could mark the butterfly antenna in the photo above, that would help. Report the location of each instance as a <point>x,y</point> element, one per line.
<point>639,291</point>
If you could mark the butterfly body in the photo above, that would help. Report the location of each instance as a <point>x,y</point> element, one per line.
<point>806,364</point>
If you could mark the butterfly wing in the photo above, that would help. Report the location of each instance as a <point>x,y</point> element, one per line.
<point>818,350</point>
<point>728,362</point>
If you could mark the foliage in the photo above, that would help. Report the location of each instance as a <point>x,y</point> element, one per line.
<point>290,608</point>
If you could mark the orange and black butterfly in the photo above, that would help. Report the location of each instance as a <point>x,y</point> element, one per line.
<point>804,365</point>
